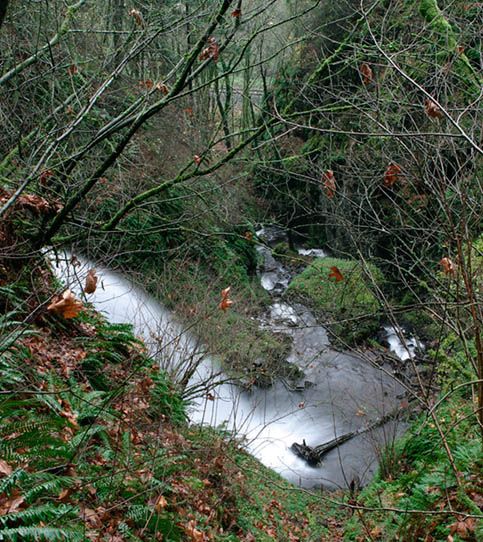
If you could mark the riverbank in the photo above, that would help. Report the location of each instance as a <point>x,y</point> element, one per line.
<point>95,447</point>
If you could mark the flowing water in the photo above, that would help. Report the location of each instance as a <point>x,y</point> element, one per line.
<point>339,392</point>
<point>404,349</point>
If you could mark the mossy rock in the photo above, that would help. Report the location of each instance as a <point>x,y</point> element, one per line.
<point>350,305</point>
<point>281,249</point>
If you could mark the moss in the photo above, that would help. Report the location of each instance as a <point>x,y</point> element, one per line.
<point>429,9</point>
<point>350,304</point>
<point>448,41</point>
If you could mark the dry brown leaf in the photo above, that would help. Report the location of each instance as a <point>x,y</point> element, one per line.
<point>392,174</point>
<point>91,282</point>
<point>35,203</point>
<point>45,176</point>
<point>367,74</point>
<point>432,110</point>
<point>336,274</point>
<point>226,302</point>
<point>463,528</point>
<point>225,293</point>
<point>329,183</point>
<point>5,468</point>
<point>65,494</point>
<point>11,502</point>
<point>376,532</point>
<point>160,504</point>
<point>194,534</point>
<point>211,51</point>
<point>90,517</point>
<point>66,305</point>
<point>15,504</point>
<point>137,16</point>
<point>147,84</point>
<point>161,87</point>
<point>448,266</point>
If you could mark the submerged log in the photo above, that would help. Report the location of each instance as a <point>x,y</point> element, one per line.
<point>314,454</point>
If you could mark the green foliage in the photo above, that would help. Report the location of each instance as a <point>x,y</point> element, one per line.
<point>351,304</point>
<point>41,534</point>
<point>422,477</point>
<point>454,366</point>
<point>112,344</point>
<point>164,400</point>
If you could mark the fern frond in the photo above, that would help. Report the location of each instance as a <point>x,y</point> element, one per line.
<point>41,534</point>
<point>45,513</point>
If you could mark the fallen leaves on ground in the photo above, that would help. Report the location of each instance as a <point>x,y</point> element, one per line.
<point>5,468</point>
<point>160,504</point>
<point>59,353</point>
<point>336,274</point>
<point>463,529</point>
<point>11,503</point>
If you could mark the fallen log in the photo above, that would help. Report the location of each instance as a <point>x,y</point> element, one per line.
<point>314,454</point>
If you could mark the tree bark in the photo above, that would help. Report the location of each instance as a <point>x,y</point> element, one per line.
<point>3,10</point>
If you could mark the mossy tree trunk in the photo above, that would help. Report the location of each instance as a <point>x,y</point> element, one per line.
<point>3,10</point>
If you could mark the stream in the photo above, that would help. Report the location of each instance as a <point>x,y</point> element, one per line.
<point>339,392</point>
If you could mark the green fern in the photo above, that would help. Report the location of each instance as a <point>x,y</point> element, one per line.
<point>45,513</point>
<point>37,534</point>
<point>44,484</point>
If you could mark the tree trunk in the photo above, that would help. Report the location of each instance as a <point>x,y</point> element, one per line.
<point>117,27</point>
<point>3,10</point>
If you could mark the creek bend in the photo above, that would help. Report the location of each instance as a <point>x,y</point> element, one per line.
<point>340,392</point>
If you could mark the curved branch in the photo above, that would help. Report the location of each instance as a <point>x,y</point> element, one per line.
<point>54,41</point>
<point>44,237</point>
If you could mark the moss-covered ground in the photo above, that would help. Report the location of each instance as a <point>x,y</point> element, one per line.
<point>346,300</point>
